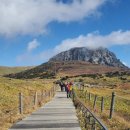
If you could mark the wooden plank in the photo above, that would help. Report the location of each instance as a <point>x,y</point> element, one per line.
<point>58,114</point>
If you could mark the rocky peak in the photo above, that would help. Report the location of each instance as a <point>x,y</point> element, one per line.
<point>98,56</point>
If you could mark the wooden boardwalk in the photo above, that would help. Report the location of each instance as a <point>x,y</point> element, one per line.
<point>58,114</point>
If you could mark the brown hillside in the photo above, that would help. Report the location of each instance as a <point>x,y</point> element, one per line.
<point>79,68</point>
<point>68,68</point>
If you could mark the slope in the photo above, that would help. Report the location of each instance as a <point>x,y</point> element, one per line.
<point>7,70</point>
<point>68,68</point>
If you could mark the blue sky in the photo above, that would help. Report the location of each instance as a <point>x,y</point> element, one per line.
<point>33,31</point>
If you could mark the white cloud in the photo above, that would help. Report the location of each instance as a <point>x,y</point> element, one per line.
<point>28,56</point>
<point>95,40</point>
<point>33,16</point>
<point>33,58</point>
<point>91,40</point>
<point>33,45</point>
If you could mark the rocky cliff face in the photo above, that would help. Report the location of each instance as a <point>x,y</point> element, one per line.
<point>99,56</point>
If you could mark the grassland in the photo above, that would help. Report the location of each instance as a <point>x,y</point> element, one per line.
<point>104,86</point>
<point>100,85</point>
<point>7,70</point>
<point>9,90</point>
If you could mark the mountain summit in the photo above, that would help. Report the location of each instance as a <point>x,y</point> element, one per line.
<point>75,61</point>
<point>100,56</point>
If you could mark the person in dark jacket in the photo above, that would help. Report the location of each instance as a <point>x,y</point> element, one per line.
<point>67,90</point>
<point>61,85</point>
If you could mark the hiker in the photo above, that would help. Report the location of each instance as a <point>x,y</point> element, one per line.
<point>69,89</point>
<point>61,85</point>
<point>64,87</point>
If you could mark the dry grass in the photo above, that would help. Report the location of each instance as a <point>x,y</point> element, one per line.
<point>10,89</point>
<point>118,122</point>
<point>80,67</point>
<point>101,87</point>
<point>7,70</point>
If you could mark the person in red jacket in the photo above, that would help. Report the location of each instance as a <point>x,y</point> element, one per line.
<point>69,89</point>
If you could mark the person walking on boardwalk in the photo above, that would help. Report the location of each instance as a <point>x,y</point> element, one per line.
<point>69,89</point>
<point>61,85</point>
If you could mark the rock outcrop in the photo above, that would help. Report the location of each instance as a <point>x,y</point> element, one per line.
<point>98,56</point>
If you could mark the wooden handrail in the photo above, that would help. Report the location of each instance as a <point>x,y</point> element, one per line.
<point>83,107</point>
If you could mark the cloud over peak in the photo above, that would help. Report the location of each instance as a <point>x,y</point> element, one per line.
<point>32,16</point>
<point>91,40</point>
<point>95,40</point>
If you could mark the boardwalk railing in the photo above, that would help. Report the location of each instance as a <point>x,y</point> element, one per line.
<point>91,122</point>
<point>35,100</point>
<point>26,104</point>
<point>110,104</point>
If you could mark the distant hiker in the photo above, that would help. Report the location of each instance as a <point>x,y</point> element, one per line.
<point>69,89</point>
<point>64,87</point>
<point>61,85</point>
<point>71,85</point>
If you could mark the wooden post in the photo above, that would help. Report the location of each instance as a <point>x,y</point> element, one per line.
<point>78,86</point>
<point>85,95</point>
<point>112,104</point>
<point>95,99</point>
<point>83,87</point>
<point>94,125</point>
<point>89,96</point>
<point>102,104</point>
<point>53,91</point>
<point>20,103</point>
<point>42,95</point>
<point>35,99</point>
<point>45,94</point>
<point>73,95</point>
<point>49,94</point>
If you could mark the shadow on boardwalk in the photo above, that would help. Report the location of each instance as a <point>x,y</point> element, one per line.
<point>58,114</point>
